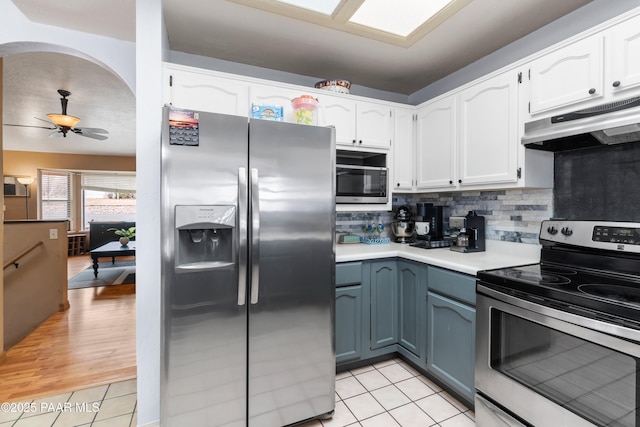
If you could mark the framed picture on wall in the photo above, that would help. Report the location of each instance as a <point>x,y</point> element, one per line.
<point>13,188</point>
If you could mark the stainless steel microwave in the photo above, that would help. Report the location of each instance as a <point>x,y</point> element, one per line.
<point>361,184</point>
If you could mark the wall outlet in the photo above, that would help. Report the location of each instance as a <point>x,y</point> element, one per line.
<point>53,233</point>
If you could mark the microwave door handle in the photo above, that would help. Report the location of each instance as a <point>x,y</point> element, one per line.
<point>255,236</point>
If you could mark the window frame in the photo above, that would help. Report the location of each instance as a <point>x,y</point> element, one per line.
<point>75,202</point>
<point>70,200</point>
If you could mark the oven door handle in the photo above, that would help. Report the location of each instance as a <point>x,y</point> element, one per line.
<point>597,331</point>
<point>492,415</point>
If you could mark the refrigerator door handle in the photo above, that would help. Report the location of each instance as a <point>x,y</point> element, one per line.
<point>255,236</point>
<point>242,235</point>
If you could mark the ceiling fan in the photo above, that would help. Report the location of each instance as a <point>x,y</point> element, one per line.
<point>63,123</point>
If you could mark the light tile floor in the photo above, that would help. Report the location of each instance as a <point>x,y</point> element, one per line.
<point>112,405</point>
<point>393,394</point>
<point>386,394</point>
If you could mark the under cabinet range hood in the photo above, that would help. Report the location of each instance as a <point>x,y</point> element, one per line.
<point>607,124</point>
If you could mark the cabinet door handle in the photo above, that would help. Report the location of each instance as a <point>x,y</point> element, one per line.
<point>398,185</point>
<point>360,142</point>
<point>616,83</point>
<point>450,182</point>
<point>592,91</point>
<point>354,141</point>
<point>459,181</point>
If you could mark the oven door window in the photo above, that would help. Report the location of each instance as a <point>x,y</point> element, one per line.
<point>592,381</point>
<point>360,182</point>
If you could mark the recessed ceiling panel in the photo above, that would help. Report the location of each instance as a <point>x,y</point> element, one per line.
<point>326,7</point>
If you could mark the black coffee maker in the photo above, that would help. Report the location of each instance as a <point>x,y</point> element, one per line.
<point>432,215</point>
<point>472,237</point>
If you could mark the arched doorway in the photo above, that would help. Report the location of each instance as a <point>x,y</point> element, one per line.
<point>59,66</point>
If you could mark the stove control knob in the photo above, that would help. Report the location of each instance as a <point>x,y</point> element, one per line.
<point>566,231</point>
<point>552,230</point>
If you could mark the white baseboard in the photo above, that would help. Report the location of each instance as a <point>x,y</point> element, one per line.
<point>151,424</point>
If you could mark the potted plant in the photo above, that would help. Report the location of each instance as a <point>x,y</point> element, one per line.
<point>125,234</point>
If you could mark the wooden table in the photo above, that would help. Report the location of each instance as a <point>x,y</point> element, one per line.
<point>113,250</point>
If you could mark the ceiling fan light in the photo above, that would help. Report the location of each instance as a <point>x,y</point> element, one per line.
<point>63,120</point>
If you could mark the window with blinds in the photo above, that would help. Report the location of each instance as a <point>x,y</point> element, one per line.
<point>55,195</point>
<point>108,196</point>
<point>114,182</point>
<point>81,197</point>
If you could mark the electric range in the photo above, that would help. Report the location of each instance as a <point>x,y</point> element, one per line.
<point>558,342</point>
<point>589,267</point>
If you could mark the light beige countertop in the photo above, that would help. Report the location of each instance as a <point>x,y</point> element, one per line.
<point>498,255</point>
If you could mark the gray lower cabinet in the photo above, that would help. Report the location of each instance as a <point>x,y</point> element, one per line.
<point>348,323</point>
<point>349,312</point>
<point>425,313</point>
<point>451,329</point>
<point>384,304</point>
<point>412,288</point>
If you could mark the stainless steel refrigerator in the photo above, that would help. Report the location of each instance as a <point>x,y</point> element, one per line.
<point>248,271</point>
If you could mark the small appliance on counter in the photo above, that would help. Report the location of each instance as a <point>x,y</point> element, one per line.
<point>456,224</point>
<point>423,226</point>
<point>403,228</point>
<point>421,210</point>
<point>434,218</point>
<point>430,231</point>
<point>471,235</point>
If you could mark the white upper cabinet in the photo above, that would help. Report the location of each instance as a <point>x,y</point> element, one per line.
<point>374,124</point>
<point>203,91</point>
<point>489,140</point>
<point>436,143</point>
<point>601,68</point>
<point>404,150</point>
<point>568,76</point>
<point>358,124</point>
<point>470,140</point>
<point>623,71</point>
<point>341,113</point>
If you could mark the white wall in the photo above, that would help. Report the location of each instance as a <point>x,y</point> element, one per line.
<point>152,45</point>
<point>588,16</point>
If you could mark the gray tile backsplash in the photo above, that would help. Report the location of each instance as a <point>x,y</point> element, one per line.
<point>354,221</point>
<point>511,215</point>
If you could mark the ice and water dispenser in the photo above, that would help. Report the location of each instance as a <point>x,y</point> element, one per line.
<point>205,237</point>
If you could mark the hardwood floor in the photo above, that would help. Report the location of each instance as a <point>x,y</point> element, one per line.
<point>92,343</point>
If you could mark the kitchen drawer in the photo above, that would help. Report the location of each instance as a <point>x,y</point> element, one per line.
<point>455,285</point>
<point>348,273</point>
